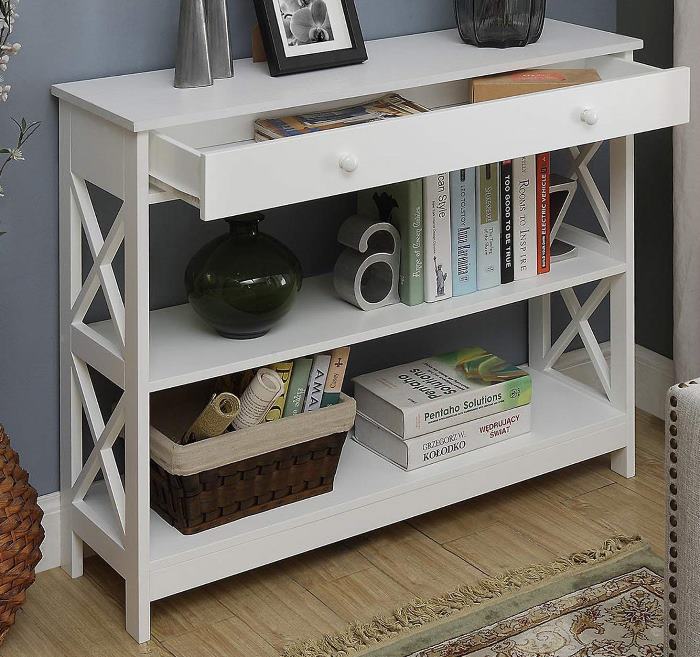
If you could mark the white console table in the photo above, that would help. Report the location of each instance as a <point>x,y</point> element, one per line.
<point>145,142</point>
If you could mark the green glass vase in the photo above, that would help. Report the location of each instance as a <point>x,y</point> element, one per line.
<point>244,282</point>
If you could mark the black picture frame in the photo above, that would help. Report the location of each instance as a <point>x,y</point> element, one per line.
<point>280,64</point>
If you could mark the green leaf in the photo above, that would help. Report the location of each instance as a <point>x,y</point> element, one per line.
<point>4,151</point>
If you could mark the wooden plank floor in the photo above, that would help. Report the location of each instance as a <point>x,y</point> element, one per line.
<point>256,614</point>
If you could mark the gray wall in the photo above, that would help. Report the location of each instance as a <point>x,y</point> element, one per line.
<point>82,39</point>
<point>652,20</point>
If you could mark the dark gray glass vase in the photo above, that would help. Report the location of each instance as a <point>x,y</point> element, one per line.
<point>244,282</point>
<point>500,23</point>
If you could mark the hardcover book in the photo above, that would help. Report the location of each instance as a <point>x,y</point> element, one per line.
<point>543,213</point>
<point>401,205</point>
<point>507,264</point>
<point>463,220</point>
<point>440,392</point>
<point>317,382</point>
<point>336,376</point>
<point>388,107</point>
<point>488,257</point>
<point>285,372</point>
<point>296,391</point>
<point>437,237</point>
<point>444,444</point>
<point>524,187</point>
<point>504,85</point>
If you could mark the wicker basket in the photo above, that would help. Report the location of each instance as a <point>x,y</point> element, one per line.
<point>216,481</point>
<point>21,534</point>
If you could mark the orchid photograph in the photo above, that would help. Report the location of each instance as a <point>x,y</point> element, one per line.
<point>306,21</point>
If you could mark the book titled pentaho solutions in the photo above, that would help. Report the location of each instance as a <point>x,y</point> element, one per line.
<point>442,391</point>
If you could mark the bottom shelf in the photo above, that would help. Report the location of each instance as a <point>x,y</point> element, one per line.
<point>569,426</point>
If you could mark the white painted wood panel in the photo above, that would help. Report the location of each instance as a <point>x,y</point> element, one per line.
<point>184,349</point>
<point>148,101</point>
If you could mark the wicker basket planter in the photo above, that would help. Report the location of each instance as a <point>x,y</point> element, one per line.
<point>21,534</point>
<point>216,481</point>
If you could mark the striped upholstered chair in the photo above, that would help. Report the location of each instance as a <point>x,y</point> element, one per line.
<point>683,469</point>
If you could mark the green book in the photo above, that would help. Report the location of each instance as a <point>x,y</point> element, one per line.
<point>297,387</point>
<point>401,204</point>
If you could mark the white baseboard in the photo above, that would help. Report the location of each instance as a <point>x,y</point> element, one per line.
<point>51,547</point>
<point>655,375</point>
<point>654,378</point>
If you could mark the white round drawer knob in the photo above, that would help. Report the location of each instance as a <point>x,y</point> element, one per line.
<point>589,116</point>
<point>349,163</point>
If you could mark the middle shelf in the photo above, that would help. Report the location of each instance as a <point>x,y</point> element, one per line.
<point>184,350</point>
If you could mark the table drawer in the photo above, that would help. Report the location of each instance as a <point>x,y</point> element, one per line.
<point>239,177</point>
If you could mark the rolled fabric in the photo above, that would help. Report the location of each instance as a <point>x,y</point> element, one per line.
<point>216,417</point>
<point>258,398</point>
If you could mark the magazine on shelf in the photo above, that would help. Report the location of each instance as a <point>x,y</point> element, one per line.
<point>387,107</point>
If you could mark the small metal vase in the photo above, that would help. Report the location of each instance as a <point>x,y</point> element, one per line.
<point>220,60</point>
<point>192,67</point>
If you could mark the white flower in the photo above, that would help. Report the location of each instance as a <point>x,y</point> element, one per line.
<point>15,154</point>
<point>4,92</point>
<point>11,48</point>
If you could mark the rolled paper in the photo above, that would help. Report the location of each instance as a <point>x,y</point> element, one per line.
<point>258,398</point>
<point>216,417</point>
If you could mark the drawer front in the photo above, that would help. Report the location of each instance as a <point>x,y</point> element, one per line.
<point>250,176</point>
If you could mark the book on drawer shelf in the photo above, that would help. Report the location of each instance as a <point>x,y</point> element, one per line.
<point>488,258</point>
<point>543,213</point>
<point>526,223</point>
<point>507,247</point>
<point>463,220</point>
<point>402,205</point>
<point>437,235</point>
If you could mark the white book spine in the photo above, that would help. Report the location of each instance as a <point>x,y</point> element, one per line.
<point>473,405</point>
<point>437,238</point>
<point>317,382</point>
<point>525,193</point>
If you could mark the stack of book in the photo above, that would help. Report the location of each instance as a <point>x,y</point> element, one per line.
<point>434,409</point>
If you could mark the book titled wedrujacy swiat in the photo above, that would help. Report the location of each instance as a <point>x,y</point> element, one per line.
<point>443,391</point>
<point>387,107</point>
<point>443,444</point>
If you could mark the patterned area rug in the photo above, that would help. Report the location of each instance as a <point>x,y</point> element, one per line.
<point>601,603</point>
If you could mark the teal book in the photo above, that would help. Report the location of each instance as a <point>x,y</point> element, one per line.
<point>296,391</point>
<point>401,204</point>
<point>463,214</point>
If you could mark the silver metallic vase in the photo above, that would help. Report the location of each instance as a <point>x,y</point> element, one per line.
<point>192,67</point>
<point>219,41</point>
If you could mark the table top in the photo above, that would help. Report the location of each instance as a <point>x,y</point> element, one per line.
<point>148,101</point>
